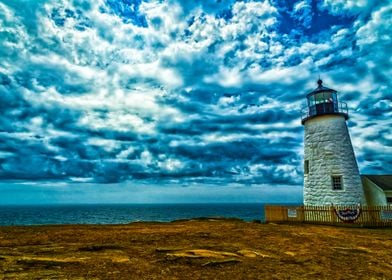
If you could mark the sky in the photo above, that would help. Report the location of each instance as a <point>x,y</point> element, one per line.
<point>120,101</point>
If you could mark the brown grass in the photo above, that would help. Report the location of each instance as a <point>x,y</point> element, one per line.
<point>197,249</point>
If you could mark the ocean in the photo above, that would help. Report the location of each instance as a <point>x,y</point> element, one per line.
<point>124,213</point>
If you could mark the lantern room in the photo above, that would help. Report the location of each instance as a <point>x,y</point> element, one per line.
<point>323,101</point>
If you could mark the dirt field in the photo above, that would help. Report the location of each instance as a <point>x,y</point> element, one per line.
<point>196,249</point>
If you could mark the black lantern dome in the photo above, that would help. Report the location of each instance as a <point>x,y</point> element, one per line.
<point>323,101</point>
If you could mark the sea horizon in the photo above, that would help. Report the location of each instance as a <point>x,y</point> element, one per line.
<point>124,213</point>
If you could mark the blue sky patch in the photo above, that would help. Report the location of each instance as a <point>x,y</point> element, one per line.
<point>127,10</point>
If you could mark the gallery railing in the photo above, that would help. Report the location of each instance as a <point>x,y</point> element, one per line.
<point>323,109</point>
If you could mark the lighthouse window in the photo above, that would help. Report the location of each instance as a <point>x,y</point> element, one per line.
<point>337,183</point>
<point>306,167</point>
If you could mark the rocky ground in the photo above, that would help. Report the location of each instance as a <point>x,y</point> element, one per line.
<point>195,249</point>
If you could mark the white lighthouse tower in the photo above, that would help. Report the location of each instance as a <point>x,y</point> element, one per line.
<point>331,174</point>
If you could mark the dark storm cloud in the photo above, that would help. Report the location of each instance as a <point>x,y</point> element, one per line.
<point>26,159</point>
<point>109,91</point>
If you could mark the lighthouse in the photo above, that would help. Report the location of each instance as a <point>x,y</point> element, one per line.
<point>331,174</point>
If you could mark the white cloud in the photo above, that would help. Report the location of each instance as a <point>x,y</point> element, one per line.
<point>170,165</point>
<point>339,7</point>
<point>106,144</point>
<point>377,29</point>
<point>226,77</point>
<point>302,11</point>
<point>124,154</point>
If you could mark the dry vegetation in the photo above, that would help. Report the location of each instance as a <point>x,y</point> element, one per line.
<point>196,249</point>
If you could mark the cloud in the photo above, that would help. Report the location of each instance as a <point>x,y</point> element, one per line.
<point>195,92</point>
<point>302,12</point>
<point>344,7</point>
<point>128,192</point>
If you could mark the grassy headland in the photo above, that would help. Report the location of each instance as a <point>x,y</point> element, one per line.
<point>196,249</point>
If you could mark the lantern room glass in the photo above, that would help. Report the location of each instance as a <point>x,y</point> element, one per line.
<point>323,102</point>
